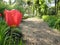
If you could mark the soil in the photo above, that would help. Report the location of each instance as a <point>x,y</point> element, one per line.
<point>37,32</point>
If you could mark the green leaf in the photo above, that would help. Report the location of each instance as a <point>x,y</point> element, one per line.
<point>21,43</point>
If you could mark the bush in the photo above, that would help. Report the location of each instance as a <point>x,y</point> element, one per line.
<point>57,24</point>
<point>50,20</point>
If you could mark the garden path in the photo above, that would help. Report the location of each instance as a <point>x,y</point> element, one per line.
<point>37,32</point>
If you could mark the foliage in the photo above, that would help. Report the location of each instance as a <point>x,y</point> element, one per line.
<point>2,7</point>
<point>20,8</point>
<point>53,21</point>
<point>57,24</point>
<point>9,37</point>
<point>3,29</point>
<point>45,17</point>
<point>29,2</point>
<point>12,36</point>
<point>50,20</point>
<point>51,11</point>
<point>40,6</point>
<point>19,2</point>
<point>9,7</point>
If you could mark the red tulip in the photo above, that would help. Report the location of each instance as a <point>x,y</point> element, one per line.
<point>13,17</point>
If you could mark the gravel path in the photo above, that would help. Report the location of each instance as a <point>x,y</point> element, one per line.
<point>37,32</point>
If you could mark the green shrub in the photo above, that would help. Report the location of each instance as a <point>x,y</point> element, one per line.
<point>50,20</point>
<point>57,24</point>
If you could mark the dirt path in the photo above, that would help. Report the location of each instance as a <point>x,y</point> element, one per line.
<point>37,32</point>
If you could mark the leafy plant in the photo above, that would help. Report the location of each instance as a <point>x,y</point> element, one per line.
<point>13,37</point>
<point>3,29</point>
<point>57,24</point>
<point>9,37</point>
<point>50,20</point>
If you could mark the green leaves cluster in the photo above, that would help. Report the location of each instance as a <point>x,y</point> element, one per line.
<point>40,6</point>
<point>53,21</point>
<point>3,30</point>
